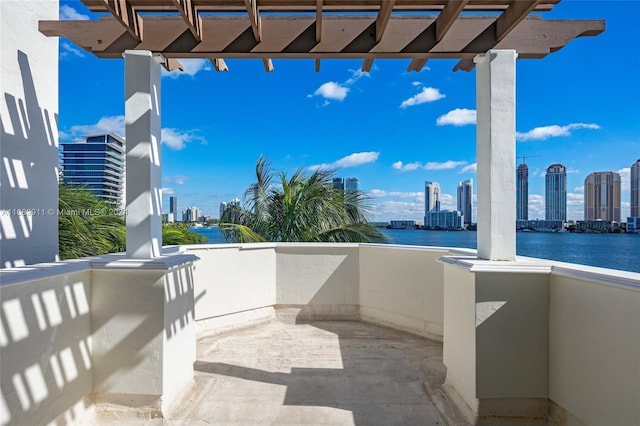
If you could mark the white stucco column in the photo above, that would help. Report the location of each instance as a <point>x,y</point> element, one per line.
<point>143,173</point>
<point>495,97</point>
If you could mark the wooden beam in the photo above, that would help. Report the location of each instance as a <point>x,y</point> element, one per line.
<point>268,64</point>
<point>219,64</point>
<point>383,17</point>
<point>190,15</point>
<point>417,64</point>
<point>172,64</point>
<point>254,18</point>
<point>366,65</point>
<point>448,16</point>
<point>318,21</point>
<point>510,18</point>
<point>126,15</point>
<point>317,64</point>
<point>343,37</point>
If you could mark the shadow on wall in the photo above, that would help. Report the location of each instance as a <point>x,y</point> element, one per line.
<point>48,337</point>
<point>29,181</point>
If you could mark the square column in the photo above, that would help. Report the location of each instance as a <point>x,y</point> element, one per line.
<point>143,181</point>
<point>496,150</point>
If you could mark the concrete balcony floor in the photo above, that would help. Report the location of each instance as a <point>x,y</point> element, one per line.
<point>320,372</point>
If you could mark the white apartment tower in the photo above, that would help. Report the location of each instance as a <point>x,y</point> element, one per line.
<point>465,200</point>
<point>431,198</point>
<point>635,189</point>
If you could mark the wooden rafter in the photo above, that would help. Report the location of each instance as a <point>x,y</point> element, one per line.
<point>384,14</point>
<point>318,20</point>
<point>448,16</point>
<point>268,64</point>
<point>190,15</point>
<point>126,15</point>
<point>254,18</point>
<point>417,64</point>
<point>510,18</point>
<point>172,64</point>
<point>366,65</point>
<point>219,64</point>
<point>321,29</point>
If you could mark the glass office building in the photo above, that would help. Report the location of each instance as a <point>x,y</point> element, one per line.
<point>98,164</point>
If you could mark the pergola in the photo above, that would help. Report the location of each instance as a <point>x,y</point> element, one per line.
<point>489,34</point>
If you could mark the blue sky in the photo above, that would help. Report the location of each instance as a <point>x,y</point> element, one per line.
<point>390,128</point>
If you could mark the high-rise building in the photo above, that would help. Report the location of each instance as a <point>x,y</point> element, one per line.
<point>225,206</point>
<point>522,192</point>
<point>173,205</point>
<point>338,184</point>
<point>465,200</point>
<point>431,198</point>
<point>602,196</point>
<point>351,184</point>
<point>635,189</point>
<point>190,214</point>
<point>98,164</point>
<point>555,197</point>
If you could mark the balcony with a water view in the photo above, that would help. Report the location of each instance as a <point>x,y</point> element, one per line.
<point>294,333</point>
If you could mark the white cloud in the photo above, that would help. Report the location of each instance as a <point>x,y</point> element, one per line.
<point>401,210</point>
<point>416,83</point>
<point>399,165</point>
<point>112,124</point>
<point>191,68</point>
<point>428,94</point>
<point>536,206</point>
<point>578,189</point>
<point>546,132</point>
<point>352,160</point>
<point>177,139</point>
<point>432,165</point>
<point>179,179</point>
<point>69,13</point>
<point>168,191</point>
<point>575,206</point>
<point>355,76</point>
<point>572,171</point>
<point>471,168</point>
<point>625,178</point>
<point>457,117</point>
<point>67,50</point>
<point>174,138</point>
<point>332,90</point>
<point>380,193</point>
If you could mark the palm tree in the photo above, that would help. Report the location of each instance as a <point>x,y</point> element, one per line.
<point>299,208</point>
<point>86,226</point>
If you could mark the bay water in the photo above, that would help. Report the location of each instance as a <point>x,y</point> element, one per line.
<point>614,251</point>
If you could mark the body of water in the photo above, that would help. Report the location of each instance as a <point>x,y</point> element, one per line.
<point>615,251</point>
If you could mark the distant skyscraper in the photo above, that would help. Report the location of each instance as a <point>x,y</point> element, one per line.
<point>97,164</point>
<point>225,206</point>
<point>173,205</point>
<point>635,189</point>
<point>431,198</point>
<point>555,200</point>
<point>338,184</point>
<point>465,200</point>
<point>522,192</point>
<point>191,214</point>
<point>352,184</point>
<point>602,196</point>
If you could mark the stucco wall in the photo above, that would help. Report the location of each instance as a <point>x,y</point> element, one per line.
<point>403,287</point>
<point>229,280</point>
<point>28,135</point>
<point>317,274</point>
<point>594,350</point>
<point>45,347</point>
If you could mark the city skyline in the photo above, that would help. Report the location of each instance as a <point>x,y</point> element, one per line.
<point>391,128</point>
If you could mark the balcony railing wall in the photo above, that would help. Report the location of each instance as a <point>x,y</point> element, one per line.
<point>583,321</point>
